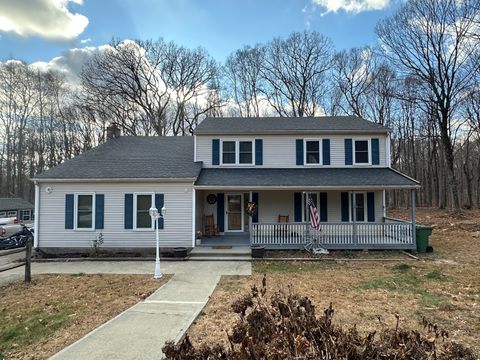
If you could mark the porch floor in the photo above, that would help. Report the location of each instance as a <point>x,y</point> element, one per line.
<point>239,239</point>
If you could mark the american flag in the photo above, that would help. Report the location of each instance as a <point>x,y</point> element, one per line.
<point>314,218</point>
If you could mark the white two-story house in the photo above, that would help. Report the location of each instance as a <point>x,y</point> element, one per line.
<point>209,181</point>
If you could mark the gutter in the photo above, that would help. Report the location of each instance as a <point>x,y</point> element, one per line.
<point>115,180</point>
<point>303,187</point>
<point>290,132</point>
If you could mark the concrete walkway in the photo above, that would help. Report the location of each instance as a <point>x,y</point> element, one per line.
<point>141,331</point>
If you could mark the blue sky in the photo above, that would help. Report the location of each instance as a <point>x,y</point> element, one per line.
<point>221,26</point>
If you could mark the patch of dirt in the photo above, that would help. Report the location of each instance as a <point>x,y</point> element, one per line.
<point>447,288</point>
<point>78,302</point>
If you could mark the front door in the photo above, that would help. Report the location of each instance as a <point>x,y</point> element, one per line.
<point>234,213</point>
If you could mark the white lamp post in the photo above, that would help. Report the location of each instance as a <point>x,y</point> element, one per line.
<point>155,215</point>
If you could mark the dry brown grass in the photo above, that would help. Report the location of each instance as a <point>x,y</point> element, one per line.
<point>39,319</point>
<point>443,286</point>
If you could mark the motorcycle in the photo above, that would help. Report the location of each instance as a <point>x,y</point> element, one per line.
<point>17,240</point>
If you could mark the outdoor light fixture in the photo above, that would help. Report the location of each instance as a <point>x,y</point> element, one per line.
<point>155,215</point>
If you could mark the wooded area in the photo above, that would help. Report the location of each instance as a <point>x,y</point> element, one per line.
<point>422,82</point>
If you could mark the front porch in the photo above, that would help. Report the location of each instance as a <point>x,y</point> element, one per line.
<point>350,220</point>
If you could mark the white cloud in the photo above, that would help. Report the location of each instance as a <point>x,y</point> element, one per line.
<point>70,63</point>
<point>351,6</point>
<point>49,19</point>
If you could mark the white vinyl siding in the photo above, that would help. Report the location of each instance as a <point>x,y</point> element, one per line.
<point>177,222</point>
<point>279,151</point>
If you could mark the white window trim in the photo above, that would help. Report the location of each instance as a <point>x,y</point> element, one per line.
<point>369,142</point>
<point>351,211</point>
<point>151,228</point>
<point>75,211</point>
<point>320,151</point>
<point>3,214</point>
<point>237,152</point>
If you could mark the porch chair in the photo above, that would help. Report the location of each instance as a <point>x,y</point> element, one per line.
<point>282,230</point>
<point>211,229</point>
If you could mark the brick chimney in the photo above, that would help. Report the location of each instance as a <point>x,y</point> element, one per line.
<point>113,131</point>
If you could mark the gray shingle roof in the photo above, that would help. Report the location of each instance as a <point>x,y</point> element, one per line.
<point>131,157</point>
<point>303,177</point>
<point>14,204</point>
<point>263,125</point>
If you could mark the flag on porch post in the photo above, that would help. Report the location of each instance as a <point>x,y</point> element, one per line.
<point>314,217</point>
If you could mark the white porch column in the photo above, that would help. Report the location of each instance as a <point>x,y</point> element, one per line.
<point>37,215</point>
<point>354,218</point>
<point>414,215</point>
<point>194,213</point>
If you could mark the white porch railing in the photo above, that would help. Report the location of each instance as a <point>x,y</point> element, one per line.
<point>386,235</point>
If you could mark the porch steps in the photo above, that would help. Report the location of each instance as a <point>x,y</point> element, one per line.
<point>224,253</point>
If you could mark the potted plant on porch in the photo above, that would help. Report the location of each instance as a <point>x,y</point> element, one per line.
<point>258,251</point>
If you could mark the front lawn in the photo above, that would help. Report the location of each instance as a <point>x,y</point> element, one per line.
<point>40,319</point>
<point>443,287</point>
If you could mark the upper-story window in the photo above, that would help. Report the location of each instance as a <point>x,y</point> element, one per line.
<point>362,152</point>
<point>237,152</point>
<point>312,151</point>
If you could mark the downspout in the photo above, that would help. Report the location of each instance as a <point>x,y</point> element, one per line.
<point>37,216</point>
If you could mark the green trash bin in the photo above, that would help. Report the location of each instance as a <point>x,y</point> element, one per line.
<point>422,233</point>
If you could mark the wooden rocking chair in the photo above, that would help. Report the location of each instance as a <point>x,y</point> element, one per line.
<point>211,229</point>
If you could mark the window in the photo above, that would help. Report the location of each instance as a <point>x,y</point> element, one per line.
<point>143,203</point>
<point>362,152</point>
<point>3,214</point>
<point>237,152</point>
<point>12,214</point>
<point>312,152</point>
<point>228,152</point>
<point>306,209</point>
<point>26,215</point>
<point>84,211</point>
<point>246,156</point>
<point>360,207</point>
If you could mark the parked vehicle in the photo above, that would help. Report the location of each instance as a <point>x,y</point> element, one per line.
<point>10,226</point>
<point>18,239</point>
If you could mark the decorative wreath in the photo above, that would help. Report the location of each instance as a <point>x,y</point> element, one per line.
<point>251,208</point>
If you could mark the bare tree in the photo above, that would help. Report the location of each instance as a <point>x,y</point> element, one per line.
<point>294,72</point>
<point>430,40</point>
<point>243,79</point>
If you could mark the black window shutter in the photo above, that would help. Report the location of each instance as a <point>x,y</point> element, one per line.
<point>159,203</point>
<point>326,151</point>
<point>258,152</point>
<point>99,211</point>
<point>221,211</point>
<point>323,207</point>
<point>375,152</point>
<point>297,200</point>
<point>255,200</point>
<point>215,152</point>
<point>128,210</point>
<point>371,207</point>
<point>344,201</point>
<point>348,152</point>
<point>69,203</point>
<point>299,147</point>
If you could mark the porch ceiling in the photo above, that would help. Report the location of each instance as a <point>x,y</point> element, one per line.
<point>325,178</point>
